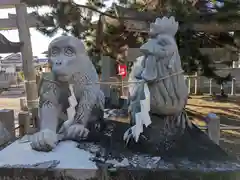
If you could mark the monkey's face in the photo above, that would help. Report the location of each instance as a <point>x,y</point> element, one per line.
<point>61,59</point>
<point>64,54</point>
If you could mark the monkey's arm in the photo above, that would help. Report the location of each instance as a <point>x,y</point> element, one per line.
<point>46,139</point>
<point>88,99</point>
<point>48,105</point>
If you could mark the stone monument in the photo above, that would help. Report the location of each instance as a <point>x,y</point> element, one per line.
<point>159,137</point>
<point>72,104</point>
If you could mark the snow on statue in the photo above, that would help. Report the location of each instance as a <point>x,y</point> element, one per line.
<point>71,85</point>
<point>157,79</point>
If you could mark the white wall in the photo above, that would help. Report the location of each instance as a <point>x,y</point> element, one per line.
<point>10,70</point>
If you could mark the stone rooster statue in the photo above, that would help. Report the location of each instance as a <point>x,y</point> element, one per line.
<point>157,83</point>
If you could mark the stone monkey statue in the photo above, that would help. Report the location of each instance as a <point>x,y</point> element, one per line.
<point>70,64</point>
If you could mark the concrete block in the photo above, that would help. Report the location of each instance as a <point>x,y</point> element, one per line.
<point>7,119</point>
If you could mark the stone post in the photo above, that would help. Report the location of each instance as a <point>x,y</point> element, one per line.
<point>213,127</point>
<point>233,88</point>
<point>7,119</point>
<point>189,85</point>
<point>210,86</point>
<point>25,124</point>
<point>4,135</point>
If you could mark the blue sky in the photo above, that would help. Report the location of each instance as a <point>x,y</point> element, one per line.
<point>39,41</point>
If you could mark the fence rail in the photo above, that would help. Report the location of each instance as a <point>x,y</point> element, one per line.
<point>199,84</point>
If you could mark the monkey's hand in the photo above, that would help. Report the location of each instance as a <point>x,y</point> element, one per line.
<point>76,132</point>
<point>45,140</point>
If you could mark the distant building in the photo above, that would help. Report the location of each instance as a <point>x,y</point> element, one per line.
<point>15,60</point>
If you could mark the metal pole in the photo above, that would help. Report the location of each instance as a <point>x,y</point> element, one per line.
<point>27,60</point>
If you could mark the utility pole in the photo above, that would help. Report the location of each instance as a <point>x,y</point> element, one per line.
<point>27,61</point>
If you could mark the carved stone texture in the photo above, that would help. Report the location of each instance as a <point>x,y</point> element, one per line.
<point>160,69</point>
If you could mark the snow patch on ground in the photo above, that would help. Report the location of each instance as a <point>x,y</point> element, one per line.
<point>66,152</point>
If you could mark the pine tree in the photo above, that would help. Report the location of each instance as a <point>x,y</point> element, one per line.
<point>77,20</point>
<point>73,19</point>
<point>190,41</point>
<point>227,13</point>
